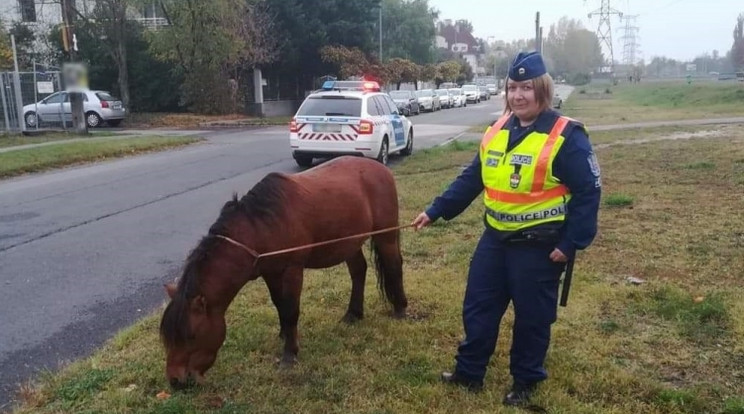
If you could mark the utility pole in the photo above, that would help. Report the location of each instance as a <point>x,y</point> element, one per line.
<point>73,91</point>
<point>538,37</point>
<point>604,33</point>
<point>380,33</point>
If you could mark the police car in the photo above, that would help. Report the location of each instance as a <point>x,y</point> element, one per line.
<point>349,118</point>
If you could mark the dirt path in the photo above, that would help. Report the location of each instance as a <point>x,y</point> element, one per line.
<point>681,122</point>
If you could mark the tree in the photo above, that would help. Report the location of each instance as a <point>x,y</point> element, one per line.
<point>308,25</point>
<point>6,54</point>
<point>571,50</point>
<point>349,61</point>
<point>737,50</point>
<point>402,70</point>
<point>448,71</point>
<point>408,30</point>
<point>210,42</point>
<point>110,26</point>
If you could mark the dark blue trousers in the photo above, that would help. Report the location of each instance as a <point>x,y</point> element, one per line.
<point>501,273</point>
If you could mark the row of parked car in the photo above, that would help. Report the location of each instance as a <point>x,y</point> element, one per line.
<point>429,100</point>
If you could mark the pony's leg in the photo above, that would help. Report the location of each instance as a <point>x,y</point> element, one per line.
<point>274,283</point>
<point>290,314</point>
<point>390,265</point>
<point>357,265</point>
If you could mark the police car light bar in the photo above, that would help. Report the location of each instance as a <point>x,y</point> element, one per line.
<point>367,86</point>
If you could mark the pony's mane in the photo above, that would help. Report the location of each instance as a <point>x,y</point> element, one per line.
<point>264,202</point>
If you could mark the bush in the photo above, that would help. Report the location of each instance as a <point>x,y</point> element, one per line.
<point>578,79</point>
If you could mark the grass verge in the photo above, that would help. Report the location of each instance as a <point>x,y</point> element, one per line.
<point>672,344</point>
<point>655,101</point>
<point>14,140</point>
<point>186,120</point>
<point>602,104</point>
<point>31,160</point>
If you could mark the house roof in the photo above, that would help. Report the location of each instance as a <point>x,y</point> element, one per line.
<point>449,34</point>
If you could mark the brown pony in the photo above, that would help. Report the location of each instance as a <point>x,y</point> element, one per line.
<point>343,197</point>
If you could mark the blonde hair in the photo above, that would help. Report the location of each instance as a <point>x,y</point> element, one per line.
<point>544,89</point>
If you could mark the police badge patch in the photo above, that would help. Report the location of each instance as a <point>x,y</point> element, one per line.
<point>593,164</point>
<point>492,162</point>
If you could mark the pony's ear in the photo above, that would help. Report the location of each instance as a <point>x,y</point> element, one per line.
<point>170,288</point>
<point>199,304</point>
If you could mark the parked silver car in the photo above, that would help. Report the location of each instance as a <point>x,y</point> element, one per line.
<point>99,107</point>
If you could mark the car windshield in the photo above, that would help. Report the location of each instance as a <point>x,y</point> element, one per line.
<point>456,91</point>
<point>424,93</point>
<point>470,88</point>
<point>399,94</point>
<point>442,92</point>
<point>331,106</point>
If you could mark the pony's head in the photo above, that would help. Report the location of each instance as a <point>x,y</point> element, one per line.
<point>193,330</point>
<point>193,324</point>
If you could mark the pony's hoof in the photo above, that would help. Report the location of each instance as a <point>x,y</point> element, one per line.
<point>287,362</point>
<point>399,314</point>
<point>351,318</point>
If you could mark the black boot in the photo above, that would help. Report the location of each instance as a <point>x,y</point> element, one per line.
<point>454,378</point>
<point>519,394</point>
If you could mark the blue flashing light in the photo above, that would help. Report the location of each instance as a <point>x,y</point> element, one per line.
<point>328,85</point>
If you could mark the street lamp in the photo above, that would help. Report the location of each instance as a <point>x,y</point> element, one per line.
<point>380,25</point>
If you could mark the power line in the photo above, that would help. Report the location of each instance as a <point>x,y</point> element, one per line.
<point>630,40</point>
<point>604,32</point>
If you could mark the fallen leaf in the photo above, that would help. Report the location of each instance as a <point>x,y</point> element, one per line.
<point>131,387</point>
<point>162,395</point>
<point>699,299</point>
<point>635,280</point>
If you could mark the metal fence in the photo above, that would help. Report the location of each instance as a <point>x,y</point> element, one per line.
<point>25,90</point>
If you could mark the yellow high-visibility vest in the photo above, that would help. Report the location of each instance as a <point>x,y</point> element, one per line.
<point>520,189</point>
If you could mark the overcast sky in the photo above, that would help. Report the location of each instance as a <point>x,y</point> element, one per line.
<point>680,29</point>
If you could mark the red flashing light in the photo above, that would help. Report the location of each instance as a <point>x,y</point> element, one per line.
<point>371,86</point>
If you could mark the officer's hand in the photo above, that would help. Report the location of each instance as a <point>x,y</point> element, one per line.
<point>558,256</point>
<point>421,221</point>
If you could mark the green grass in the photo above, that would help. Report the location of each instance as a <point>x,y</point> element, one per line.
<point>672,345</point>
<point>655,101</point>
<point>15,140</point>
<point>31,160</point>
<point>618,200</point>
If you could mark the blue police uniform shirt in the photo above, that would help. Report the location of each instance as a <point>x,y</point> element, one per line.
<point>574,165</point>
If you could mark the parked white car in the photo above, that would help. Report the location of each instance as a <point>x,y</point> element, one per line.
<point>349,118</point>
<point>429,100</point>
<point>472,93</point>
<point>458,97</point>
<point>98,106</point>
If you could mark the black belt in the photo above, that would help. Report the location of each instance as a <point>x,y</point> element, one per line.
<point>534,236</point>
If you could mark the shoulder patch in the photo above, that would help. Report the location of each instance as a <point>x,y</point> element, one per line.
<point>594,164</point>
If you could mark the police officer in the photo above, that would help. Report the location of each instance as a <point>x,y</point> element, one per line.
<point>541,185</point>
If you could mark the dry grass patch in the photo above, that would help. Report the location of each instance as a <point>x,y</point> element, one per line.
<point>669,345</point>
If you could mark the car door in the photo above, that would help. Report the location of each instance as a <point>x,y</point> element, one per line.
<point>395,119</point>
<point>51,109</point>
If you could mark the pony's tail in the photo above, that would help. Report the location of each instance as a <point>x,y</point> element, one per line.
<point>389,275</point>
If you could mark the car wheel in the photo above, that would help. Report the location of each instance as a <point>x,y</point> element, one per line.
<point>31,119</point>
<point>92,119</point>
<point>408,150</point>
<point>383,155</point>
<point>303,160</point>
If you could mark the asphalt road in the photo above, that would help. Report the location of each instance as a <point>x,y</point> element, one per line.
<point>84,251</point>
